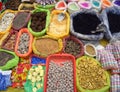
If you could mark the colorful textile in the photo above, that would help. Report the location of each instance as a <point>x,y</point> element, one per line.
<point>115,83</point>
<point>107,59</point>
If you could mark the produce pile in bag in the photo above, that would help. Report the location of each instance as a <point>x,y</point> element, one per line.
<point>19,74</point>
<point>91,77</point>
<point>111,19</point>
<point>87,25</point>
<point>35,79</point>
<point>8,59</point>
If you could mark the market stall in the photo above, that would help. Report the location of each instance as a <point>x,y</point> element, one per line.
<point>59,46</point>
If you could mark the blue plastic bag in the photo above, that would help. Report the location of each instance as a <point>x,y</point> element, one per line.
<point>5,79</point>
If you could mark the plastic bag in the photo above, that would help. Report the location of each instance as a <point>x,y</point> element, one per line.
<point>5,79</point>
<point>109,34</point>
<point>98,31</point>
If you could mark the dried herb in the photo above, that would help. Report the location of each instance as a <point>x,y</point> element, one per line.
<point>20,20</point>
<point>114,22</point>
<point>72,47</point>
<point>85,23</point>
<point>5,57</point>
<point>12,4</point>
<point>38,21</point>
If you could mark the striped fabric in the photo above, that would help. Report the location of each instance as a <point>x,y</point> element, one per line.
<point>118,70</point>
<point>114,48</point>
<point>107,59</point>
<point>115,83</point>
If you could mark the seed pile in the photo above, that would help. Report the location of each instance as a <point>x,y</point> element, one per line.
<point>90,50</point>
<point>36,76</point>
<point>5,57</point>
<point>114,26</point>
<point>47,45</point>
<point>10,42</point>
<point>91,76</point>
<point>60,77</point>
<point>6,21</point>
<point>20,20</point>
<point>12,4</point>
<point>85,23</point>
<point>23,43</point>
<point>38,21</point>
<point>72,47</point>
<point>46,2</point>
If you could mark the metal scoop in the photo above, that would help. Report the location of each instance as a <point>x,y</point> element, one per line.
<point>61,16</point>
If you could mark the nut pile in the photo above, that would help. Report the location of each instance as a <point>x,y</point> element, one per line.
<point>20,20</point>
<point>72,47</point>
<point>10,42</point>
<point>5,57</point>
<point>6,21</point>
<point>46,2</point>
<point>60,77</point>
<point>90,75</point>
<point>36,76</point>
<point>38,21</point>
<point>23,43</point>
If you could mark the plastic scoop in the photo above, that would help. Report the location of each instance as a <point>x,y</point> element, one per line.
<point>61,16</point>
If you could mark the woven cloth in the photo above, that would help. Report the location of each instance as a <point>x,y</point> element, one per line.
<point>116,50</point>
<point>118,70</point>
<point>107,59</point>
<point>115,83</point>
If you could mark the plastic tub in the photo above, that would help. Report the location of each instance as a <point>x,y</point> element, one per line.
<point>35,60</point>
<point>73,7</point>
<point>25,20</point>
<point>11,63</point>
<point>24,30</point>
<point>41,33</point>
<point>22,5</point>
<point>45,54</point>
<point>54,24</point>
<point>104,89</point>
<point>11,46</point>
<point>58,59</point>
<point>81,52</point>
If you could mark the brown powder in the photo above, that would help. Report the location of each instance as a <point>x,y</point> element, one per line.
<point>90,50</point>
<point>46,45</point>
